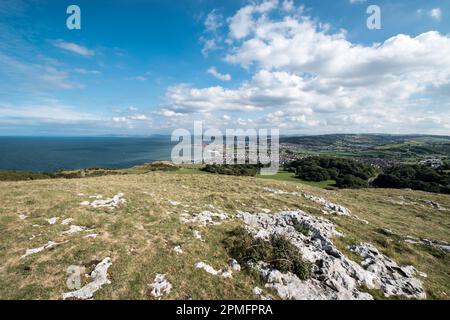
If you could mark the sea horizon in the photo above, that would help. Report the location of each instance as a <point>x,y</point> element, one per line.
<point>49,154</point>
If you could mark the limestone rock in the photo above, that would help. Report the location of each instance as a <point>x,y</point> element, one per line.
<point>160,286</point>
<point>99,278</point>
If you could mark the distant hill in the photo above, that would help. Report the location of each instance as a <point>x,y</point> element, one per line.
<point>405,148</point>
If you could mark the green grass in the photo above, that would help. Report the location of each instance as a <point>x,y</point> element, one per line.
<point>290,177</point>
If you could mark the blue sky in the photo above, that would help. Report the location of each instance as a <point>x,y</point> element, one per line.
<point>139,67</point>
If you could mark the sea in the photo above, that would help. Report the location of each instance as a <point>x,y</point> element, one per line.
<point>48,154</point>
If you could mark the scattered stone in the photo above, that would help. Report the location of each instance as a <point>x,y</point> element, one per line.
<point>211,270</point>
<point>234,265</point>
<point>22,216</point>
<point>99,278</point>
<point>265,210</point>
<point>75,229</point>
<point>442,245</point>
<point>52,220</point>
<point>259,292</point>
<point>80,194</point>
<point>433,204</point>
<point>329,207</point>
<point>174,203</point>
<point>98,196</point>
<point>334,276</point>
<point>47,246</point>
<point>106,203</point>
<point>66,221</point>
<point>178,250</point>
<point>197,235</point>
<point>205,218</point>
<point>160,286</point>
<point>92,235</point>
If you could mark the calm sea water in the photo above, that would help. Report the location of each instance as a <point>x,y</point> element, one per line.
<point>51,153</point>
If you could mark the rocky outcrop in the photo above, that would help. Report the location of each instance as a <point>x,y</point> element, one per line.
<point>334,276</point>
<point>392,279</point>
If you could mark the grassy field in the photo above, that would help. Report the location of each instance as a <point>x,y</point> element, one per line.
<point>140,235</point>
<point>290,177</point>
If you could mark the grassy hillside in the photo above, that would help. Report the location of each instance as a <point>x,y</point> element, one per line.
<point>140,235</point>
<point>403,148</point>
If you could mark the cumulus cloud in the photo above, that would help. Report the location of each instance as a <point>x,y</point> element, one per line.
<point>224,77</point>
<point>307,78</point>
<point>73,47</point>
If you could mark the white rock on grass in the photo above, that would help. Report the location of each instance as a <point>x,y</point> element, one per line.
<point>66,221</point>
<point>75,229</point>
<point>22,216</point>
<point>197,235</point>
<point>205,218</point>
<point>329,206</point>
<point>211,270</point>
<point>110,203</point>
<point>160,286</point>
<point>49,245</point>
<point>52,220</point>
<point>234,265</point>
<point>178,250</point>
<point>99,278</point>
<point>91,236</point>
<point>334,276</point>
<point>259,292</point>
<point>174,203</point>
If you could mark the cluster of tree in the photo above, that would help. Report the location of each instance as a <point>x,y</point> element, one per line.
<point>233,169</point>
<point>416,177</point>
<point>347,173</point>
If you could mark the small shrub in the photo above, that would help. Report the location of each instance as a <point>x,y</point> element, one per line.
<point>278,252</point>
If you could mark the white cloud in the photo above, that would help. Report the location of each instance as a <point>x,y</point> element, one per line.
<point>50,110</point>
<point>307,78</point>
<point>288,5</point>
<point>74,48</point>
<point>213,21</point>
<point>435,13</point>
<point>242,23</point>
<point>224,77</point>
<point>85,71</point>
<point>138,78</point>
<point>357,1</point>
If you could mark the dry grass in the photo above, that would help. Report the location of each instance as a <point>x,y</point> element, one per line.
<point>140,235</point>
